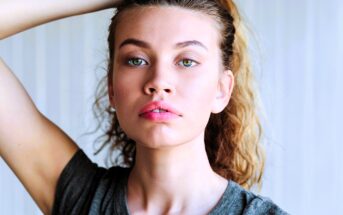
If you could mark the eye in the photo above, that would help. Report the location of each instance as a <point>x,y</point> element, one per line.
<point>136,62</point>
<point>187,63</point>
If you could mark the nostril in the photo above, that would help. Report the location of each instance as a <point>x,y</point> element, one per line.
<point>153,90</point>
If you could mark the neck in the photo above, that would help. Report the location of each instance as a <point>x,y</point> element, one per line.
<point>172,179</point>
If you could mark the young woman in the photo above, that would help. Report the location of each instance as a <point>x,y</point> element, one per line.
<point>181,107</point>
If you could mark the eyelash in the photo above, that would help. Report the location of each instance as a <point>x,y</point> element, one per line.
<point>130,62</point>
<point>193,62</point>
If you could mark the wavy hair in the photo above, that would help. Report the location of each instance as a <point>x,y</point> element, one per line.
<point>232,137</point>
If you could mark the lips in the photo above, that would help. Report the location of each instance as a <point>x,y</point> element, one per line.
<point>159,107</point>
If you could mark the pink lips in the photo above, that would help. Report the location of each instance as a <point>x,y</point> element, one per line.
<point>159,111</point>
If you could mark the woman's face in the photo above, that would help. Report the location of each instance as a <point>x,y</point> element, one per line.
<point>167,58</point>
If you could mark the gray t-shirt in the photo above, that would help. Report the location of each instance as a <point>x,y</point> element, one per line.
<point>85,188</point>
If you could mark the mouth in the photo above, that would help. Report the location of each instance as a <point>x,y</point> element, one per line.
<point>159,110</point>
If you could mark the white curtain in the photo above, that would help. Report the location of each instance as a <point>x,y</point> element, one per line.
<point>297,51</point>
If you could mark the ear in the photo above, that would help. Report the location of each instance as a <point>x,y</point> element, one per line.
<point>111,92</point>
<point>224,90</point>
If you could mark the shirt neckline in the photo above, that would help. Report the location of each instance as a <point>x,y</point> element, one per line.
<point>227,197</point>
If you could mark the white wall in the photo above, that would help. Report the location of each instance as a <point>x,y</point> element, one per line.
<point>299,69</point>
<point>301,81</point>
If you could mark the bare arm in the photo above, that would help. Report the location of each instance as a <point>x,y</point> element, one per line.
<point>19,15</point>
<point>34,147</point>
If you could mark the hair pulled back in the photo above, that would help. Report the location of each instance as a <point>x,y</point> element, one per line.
<point>232,137</point>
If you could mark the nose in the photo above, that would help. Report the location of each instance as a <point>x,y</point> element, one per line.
<point>159,82</point>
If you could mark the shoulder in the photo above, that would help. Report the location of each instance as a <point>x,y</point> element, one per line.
<point>84,186</point>
<point>237,200</point>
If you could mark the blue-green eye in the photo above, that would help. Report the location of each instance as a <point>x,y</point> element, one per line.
<point>187,63</point>
<point>136,62</point>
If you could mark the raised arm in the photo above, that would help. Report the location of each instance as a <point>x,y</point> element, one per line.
<point>34,148</point>
<point>20,15</point>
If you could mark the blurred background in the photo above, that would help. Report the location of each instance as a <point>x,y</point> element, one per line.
<point>297,52</point>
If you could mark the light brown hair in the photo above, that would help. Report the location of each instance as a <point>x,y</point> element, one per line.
<point>232,137</point>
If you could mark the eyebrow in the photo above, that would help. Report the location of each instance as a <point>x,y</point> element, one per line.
<point>143,44</point>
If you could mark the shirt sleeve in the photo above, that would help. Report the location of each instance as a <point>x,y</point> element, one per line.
<point>76,185</point>
<point>263,205</point>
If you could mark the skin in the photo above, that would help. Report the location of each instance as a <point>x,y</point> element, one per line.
<point>171,162</point>
<point>20,15</point>
<point>36,155</point>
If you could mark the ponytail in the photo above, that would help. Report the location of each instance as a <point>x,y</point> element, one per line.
<point>233,136</point>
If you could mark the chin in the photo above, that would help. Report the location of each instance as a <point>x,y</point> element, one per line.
<point>151,136</point>
<point>158,142</point>
<point>162,136</point>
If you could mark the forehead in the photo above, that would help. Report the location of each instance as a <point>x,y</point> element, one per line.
<point>167,25</point>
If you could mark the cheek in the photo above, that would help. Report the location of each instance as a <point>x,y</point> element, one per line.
<point>122,94</point>
<point>198,99</point>
<point>200,90</point>
<point>124,85</point>
<point>122,91</point>
<point>119,92</point>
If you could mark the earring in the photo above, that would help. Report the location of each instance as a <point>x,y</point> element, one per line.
<point>227,72</point>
